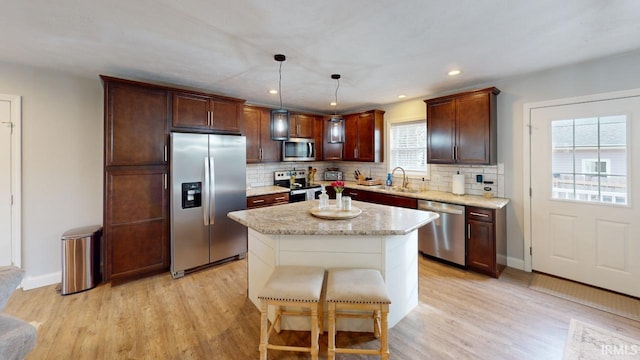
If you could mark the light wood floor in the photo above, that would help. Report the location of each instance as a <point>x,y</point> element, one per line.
<point>206,315</point>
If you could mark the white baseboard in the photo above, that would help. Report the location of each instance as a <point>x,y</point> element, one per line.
<point>32,282</point>
<point>515,263</point>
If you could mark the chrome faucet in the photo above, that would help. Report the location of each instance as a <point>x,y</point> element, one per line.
<point>405,181</point>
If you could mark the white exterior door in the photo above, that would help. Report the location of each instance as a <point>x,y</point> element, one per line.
<point>9,180</point>
<point>585,202</point>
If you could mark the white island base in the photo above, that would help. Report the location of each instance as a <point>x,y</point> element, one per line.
<point>395,256</point>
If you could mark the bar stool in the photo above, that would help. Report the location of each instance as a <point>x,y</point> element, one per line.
<point>293,286</point>
<point>358,289</point>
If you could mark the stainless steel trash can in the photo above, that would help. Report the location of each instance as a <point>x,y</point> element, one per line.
<point>81,259</point>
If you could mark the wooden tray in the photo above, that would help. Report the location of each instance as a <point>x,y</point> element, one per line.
<point>333,213</point>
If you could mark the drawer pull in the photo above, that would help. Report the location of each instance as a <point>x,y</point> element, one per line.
<point>257,201</point>
<point>281,198</point>
<point>478,214</point>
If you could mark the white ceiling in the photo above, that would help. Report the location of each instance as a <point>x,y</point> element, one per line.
<point>381,48</point>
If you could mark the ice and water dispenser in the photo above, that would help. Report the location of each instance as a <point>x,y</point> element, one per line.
<point>191,195</point>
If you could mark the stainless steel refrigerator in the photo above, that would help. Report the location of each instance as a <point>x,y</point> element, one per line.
<point>208,180</point>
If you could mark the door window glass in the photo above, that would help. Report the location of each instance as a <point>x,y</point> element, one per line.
<point>589,159</point>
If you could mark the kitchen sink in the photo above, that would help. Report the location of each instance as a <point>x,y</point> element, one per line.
<point>401,189</point>
<point>394,188</point>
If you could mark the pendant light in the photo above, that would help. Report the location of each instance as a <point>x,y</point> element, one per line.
<point>336,122</point>
<point>280,117</point>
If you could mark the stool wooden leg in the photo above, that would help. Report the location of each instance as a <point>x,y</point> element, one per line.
<point>376,324</point>
<point>264,328</point>
<point>384,336</point>
<point>321,316</point>
<point>278,319</point>
<point>331,351</point>
<point>314,332</point>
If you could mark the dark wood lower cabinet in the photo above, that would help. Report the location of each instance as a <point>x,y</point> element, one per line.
<point>137,248</point>
<point>393,200</point>
<point>486,240</point>
<point>375,197</point>
<point>267,200</point>
<point>355,194</point>
<point>136,222</point>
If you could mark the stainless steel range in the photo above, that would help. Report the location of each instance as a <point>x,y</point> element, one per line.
<point>300,190</point>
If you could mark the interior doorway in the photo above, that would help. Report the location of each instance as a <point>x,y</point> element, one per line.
<point>10,180</point>
<point>581,207</point>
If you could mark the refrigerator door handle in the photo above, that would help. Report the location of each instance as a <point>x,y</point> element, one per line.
<point>212,190</point>
<point>205,196</point>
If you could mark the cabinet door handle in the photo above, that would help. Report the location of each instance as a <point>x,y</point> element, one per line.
<point>165,153</point>
<point>455,153</point>
<point>260,154</point>
<point>478,214</point>
<point>257,201</point>
<point>468,231</point>
<point>165,181</point>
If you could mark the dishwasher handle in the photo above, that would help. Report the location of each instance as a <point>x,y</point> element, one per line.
<point>442,208</point>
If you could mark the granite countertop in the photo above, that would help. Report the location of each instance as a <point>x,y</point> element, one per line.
<point>442,196</point>
<point>266,190</point>
<point>296,219</point>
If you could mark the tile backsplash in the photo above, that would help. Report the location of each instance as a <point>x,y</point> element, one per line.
<point>439,179</point>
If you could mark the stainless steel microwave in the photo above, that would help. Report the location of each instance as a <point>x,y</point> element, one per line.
<point>298,149</point>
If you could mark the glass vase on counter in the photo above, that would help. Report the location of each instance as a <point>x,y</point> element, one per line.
<point>338,186</point>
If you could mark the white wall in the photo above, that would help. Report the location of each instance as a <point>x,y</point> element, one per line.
<point>615,73</point>
<point>61,162</point>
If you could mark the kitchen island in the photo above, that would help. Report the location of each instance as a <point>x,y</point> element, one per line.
<point>382,238</point>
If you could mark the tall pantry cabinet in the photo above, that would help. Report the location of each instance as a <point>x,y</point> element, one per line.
<point>135,179</point>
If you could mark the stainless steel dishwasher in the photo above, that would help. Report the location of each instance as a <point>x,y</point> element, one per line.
<point>444,237</point>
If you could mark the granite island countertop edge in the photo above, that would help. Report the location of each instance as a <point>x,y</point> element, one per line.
<point>287,219</point>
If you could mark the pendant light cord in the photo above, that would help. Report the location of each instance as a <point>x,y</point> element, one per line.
<point>337,87</point>
<point>280,84</point>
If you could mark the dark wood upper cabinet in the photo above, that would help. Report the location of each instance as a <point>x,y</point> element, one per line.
<point>330,151</point>
<point>257,129</point>
<point>301,125</point>
<point>441,130</point>
<point>207,113</point>
<point>364,136</point>
<point>318,137</point>
<point>132,109</point>
<point>462,128</point>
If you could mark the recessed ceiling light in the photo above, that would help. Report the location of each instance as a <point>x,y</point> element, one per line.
<point>454,72</point>
<point>333,103</point>
<point>273,91</point>
<point>402,96</point>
